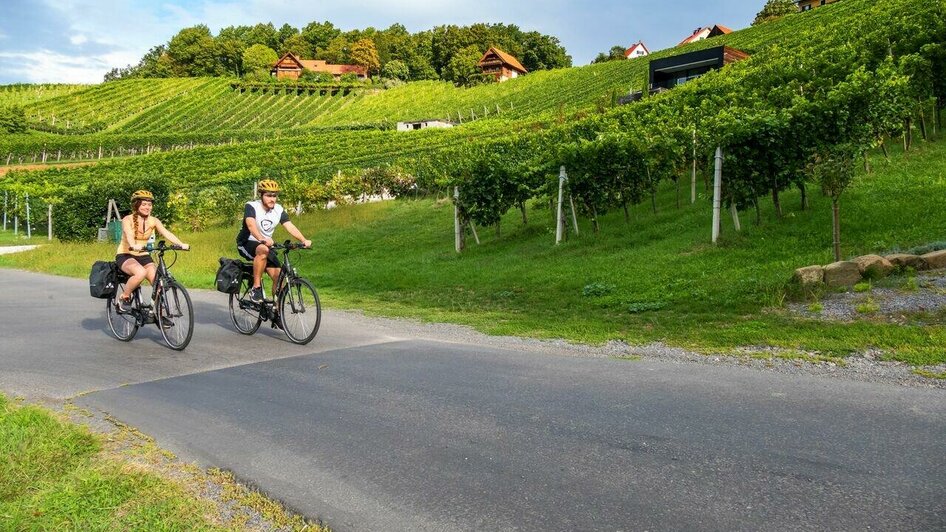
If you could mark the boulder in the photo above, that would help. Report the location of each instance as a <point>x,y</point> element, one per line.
<point>935,260</point>
<point>842,274</point>
<point>809,277</point>
<point>874,266</point>
<point>902,261</point>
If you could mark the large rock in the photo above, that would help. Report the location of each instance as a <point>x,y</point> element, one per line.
<point>809,277</point>
<point>936,259</point>
<point>874,266</point>
<point>842,274</point>
<point>902,261</point>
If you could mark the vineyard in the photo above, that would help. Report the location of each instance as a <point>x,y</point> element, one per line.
<point>846,78</point>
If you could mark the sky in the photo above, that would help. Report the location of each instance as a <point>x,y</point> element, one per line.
<point>78,41</point>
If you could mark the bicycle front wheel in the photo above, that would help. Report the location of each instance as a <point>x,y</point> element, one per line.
<point>300,311</point>
<point>124,325</point>
<point>244,313</point>
<point>175,315</point>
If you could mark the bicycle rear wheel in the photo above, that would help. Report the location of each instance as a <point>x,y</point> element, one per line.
<point>124,325</point>
<point>175,315</point>
<point>300,310</point>
<point>244,313</point>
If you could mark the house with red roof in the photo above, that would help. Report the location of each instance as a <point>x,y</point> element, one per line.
<point>501,65</point>
<point>636,50</point>
<point>290,67</point>
<point>705,33</point>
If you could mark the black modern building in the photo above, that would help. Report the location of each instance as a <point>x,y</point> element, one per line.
<point>672,71</point>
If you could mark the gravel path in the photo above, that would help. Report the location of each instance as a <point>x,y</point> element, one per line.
<point>4,250</point>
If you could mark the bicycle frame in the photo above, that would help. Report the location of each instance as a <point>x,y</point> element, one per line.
<point>162,276</point>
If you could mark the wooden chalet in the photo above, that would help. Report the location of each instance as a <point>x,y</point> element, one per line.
<point>705,33</point>
<point>501,65</point>
<point>636,50</point>
<point>669,72</point>
<point>808,5</point>
<point>290,67</point>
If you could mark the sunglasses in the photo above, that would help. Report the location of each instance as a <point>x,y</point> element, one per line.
<point>270,195</point>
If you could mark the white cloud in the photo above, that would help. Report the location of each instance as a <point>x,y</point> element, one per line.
<point>52,67</point>
<point>78,39</point>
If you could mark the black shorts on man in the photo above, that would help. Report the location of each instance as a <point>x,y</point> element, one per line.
<point>247,250</point>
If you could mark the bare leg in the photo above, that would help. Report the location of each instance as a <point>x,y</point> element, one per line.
<point>259,264</point>
<point>136,274</point>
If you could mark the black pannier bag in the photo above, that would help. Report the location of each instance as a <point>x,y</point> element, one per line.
<point>228,276</point>
<point>103,280</point>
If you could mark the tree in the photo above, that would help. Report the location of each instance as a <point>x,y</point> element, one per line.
<point>335,52</point>
<point>775,9</point>
<point>230,54</point>
<point>614,54</point>
<point>833,168</point>
<point>320,34</point>
<point>364,53</point>
<point>285,33</point>
<point>193,52</point>
<point>264,34</point>
<point>12,119</point>
<point>259,59</point>
<point>298,45</point>
<point>396,69</point>
<point>463,69</point>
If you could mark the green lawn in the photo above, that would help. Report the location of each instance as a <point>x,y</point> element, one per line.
<point>657,278</point>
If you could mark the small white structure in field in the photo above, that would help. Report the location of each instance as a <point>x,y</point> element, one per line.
<point>423,124</point>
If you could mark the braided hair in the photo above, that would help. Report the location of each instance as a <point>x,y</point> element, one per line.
<point>134,217</point>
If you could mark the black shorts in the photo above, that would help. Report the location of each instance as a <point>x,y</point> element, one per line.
<point>143,260</point>
<point>247,250</point>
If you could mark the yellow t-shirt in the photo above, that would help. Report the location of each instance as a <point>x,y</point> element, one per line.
<point>141,237</point>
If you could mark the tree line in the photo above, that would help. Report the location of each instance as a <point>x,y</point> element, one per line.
<point>442,53</point>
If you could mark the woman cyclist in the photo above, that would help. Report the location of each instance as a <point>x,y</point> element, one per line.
<point>131,257</point>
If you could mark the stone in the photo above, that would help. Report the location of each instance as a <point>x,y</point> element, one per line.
<point>809,277</point>
<point>874,266</point>
<point>935,260</point>
<point>842,274</point>
<point>902,261</point>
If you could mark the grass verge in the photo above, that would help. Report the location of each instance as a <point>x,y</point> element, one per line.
<point>58,475</point>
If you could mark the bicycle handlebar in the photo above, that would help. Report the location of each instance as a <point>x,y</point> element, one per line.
<point>162,246</point>
<point>289,245</point>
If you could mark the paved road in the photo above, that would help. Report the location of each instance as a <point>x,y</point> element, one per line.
<point>371,430</point>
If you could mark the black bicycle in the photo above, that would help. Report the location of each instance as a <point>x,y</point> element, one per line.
<point>295,309</point>
<point>170,307</point>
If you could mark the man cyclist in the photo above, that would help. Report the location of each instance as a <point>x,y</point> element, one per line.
<point>255,241</point>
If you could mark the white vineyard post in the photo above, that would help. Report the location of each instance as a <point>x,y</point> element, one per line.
<point>473,230</point>
<point>49,221</point>
<point>735,216</point>
<point>571,202</point>
<point>717,192</point>
<point>458,240</point>
<point>16,216</point>
<point>29,232</point>
<point>560,223</point>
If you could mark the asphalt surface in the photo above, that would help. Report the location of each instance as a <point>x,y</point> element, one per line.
<point>368,429</point>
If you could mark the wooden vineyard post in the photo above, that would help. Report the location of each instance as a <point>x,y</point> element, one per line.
<point>16,215</point>
<point>571,203</point>
<point>717,192</point>
<point>560,223</point>
<point>5,210</point>
<point>49,221</point>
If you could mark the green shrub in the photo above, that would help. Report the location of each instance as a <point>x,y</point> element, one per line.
<point>597,289</point>
<point>83,210</point>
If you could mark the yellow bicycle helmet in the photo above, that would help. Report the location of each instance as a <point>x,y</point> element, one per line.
<point>142,195</point>
<point>267,185</point>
